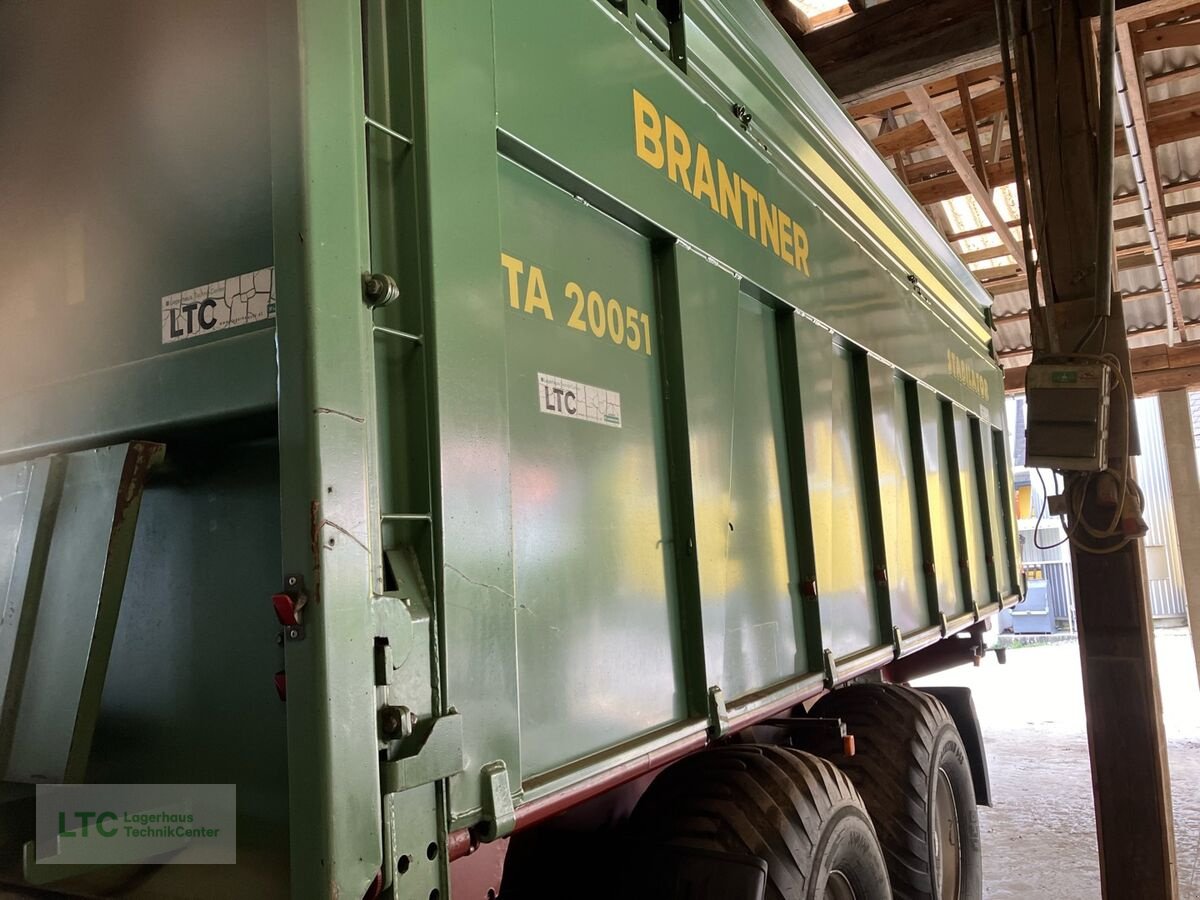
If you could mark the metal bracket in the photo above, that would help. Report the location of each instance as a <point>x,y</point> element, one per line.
<point>830,669</point>
<point>499,817</point>
<point>975,609</point>
<point>825,736</point>
<point>718,715</point>
<point>437,754</point>
<point>945,625</point>
<point>897,641</point>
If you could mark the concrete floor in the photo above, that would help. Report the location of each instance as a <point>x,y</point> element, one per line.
<point>1040,838</point>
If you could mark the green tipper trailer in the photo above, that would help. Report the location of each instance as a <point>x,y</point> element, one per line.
<point>544,399</point>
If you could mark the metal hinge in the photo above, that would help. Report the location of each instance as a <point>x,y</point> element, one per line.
<point>429,754</point>
<point>499,816</point>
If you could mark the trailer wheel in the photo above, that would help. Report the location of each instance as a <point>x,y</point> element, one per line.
<point>912,772</point>
<point>793,810</point>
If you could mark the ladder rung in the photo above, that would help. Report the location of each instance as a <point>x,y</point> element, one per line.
<point>406,517</point>
<point>395,135</point>
<point>396,332</point>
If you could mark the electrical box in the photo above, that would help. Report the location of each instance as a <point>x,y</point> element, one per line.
<point>1067,425</point>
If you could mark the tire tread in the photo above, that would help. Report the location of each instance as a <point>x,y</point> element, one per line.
<point>766,800</point>
<point>896,728</point>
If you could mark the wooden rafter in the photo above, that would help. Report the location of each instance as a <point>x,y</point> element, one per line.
<point>1150,9</point>
<point>932,168</point>
<point>898,101</point>
<point>1173,75</point>
<point>947,187</point>
<point>793,19</point>
<point>918,134</point>
<point>1167,37</point>
<point>1023,315</point>
<point>976,232</point>
<point>997,145</point>
<point>1132,70</point>
<point>1173,212</point>
<point>1174,128</point>
<point>1155,368</point>
<point>892,46</point>
<point>949,144</point>
<point>971,121</point>
<point>1138,256</point>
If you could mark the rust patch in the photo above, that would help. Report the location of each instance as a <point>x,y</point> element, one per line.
<point>314,528</point>
<point>140,458</point>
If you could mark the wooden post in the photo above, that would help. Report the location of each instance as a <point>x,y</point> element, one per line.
<point>1185,494</point>
<point>1131,788</point>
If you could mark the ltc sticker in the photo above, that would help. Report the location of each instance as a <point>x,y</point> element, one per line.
<point>227,303</point>
<point>560,397</point>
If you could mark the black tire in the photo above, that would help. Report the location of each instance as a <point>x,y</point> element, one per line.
<point>794,811</point>
<point>908,753</point>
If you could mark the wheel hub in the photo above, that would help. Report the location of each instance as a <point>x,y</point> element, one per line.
<point>944,835</point>
<point>837,887</point>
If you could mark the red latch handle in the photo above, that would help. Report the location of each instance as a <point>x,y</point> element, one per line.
<point>286,609</point>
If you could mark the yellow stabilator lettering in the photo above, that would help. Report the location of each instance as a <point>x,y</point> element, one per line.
<point>662,143</point>
<point>964,374</point>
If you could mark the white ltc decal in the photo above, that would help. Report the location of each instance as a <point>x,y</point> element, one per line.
<point>228,303</point>
<point>574,400</point>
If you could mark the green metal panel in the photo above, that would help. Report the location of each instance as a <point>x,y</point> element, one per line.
<point>899,509</point>
<point>194,615</point>
<point>835,490</point>
<point>943,524</point>
<point>596,606</point>
<point>706,334</point>
<point>188,693</point>
<point>847,605</point>
<point>66,528</point>
<point>856,286</point>
<point>137,164</point>
<point>975,527</point>
<point>764,639</point>
<point>327,461</point>
<point>995,450</point>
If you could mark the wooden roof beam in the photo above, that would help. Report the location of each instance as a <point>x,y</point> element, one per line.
<point>979,191</point>
<point>947,187</point>
<point>791,18</point>
<point>1156,368</point>
<point>1173,212</point>
<point>898,101</point>
<point>1162,132</point>
<point>1167,37</point>
<point>901,44</point>
<point>889,47</point>
<point>971,120</point>
<point>1128,13</point>
<point>917,134</point>
<point>1023,315</point>
<point>997,145</point>
<point>1132,71</point>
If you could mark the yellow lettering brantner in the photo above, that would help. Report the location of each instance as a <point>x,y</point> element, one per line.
<point>662,143</point>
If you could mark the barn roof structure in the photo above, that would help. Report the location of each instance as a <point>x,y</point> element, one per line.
<point>923,80</point>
